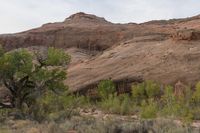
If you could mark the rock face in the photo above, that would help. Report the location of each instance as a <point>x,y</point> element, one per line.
<point>167,51</point>
<point>187,35</point>
<point>79,30</point>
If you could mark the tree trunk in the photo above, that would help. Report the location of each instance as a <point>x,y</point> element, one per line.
<point>18,103</point>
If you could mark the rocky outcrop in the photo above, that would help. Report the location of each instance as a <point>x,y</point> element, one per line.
<point>102,50</point>
<point>80,30</point>
<point>186,34</point>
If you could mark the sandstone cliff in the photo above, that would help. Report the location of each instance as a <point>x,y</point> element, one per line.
<point>166,50</point>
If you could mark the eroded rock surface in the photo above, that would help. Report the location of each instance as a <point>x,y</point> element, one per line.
<point>167,51</point>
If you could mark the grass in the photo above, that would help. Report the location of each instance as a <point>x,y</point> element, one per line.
<point>92,125</point>
<point>60,113</point>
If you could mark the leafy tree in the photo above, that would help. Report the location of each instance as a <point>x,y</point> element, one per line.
<point>106,88</point>
<point>28,76</point>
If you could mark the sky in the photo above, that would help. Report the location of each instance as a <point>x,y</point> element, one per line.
<point>20,15</point>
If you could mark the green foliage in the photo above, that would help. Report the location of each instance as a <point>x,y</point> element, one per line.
<point>56,57</point>
<point>38,89</point>
<point>174,106</point>
<point>171,107</point>
<point>145,90</point>
<point>149,109</point>
<point>16,64</point>
<point>152,89</point>
<point>125,105</point>
<point>56,107</point>
<point>53,79</point>
<point>195,113</point>
<point>111,104</point>
<point>117,104</point>
<point>168,99</point>
<point>196,95</point>
<point>139,92</point>
<point>4,113</point>
<point>150,102</point>
<point>28,79</point>
<point>106,88</point>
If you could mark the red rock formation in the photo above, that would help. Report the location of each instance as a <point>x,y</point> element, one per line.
<point>186,34</point>
<point>102,50</point>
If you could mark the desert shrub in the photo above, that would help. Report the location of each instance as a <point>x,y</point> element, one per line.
<point>188,96</point>
<point>4,113</point>
<point>57,107</point>
<point>125,105</point>
<point>195,113</point>
<point>106,88</point>
<point>138,92</point>
<point>168,101</point>
<point>149,109</point>
<point>196,95</point>
<point>173,106</point>
<point>170,105</point>
<point>116,104</point>
<point>152,89</point>
<point>111,104</point>
<point>145,90</point>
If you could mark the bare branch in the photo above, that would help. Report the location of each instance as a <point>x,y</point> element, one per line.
<point>9,87</point>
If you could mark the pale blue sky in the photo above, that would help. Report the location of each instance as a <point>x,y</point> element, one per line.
<point>20,15</point>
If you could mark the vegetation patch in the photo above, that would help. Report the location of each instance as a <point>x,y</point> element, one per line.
<point>39,95</point>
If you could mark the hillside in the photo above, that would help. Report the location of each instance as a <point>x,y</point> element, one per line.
<point>167,51</point>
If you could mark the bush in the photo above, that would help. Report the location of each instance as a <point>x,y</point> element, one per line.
<point>175,106</point>
<point>146,90</point>
<point>125,105</point>
<point>111,104</point>
<point>139,93</point>
<point>195,113</point>
<point>117,104</point>
<point>56,107</point>
<point>168,101</point>
<point>149,110</point>
<point>4,114</point>
<point>196,95</point>
<point>106,88</point>
<point>152,89</point>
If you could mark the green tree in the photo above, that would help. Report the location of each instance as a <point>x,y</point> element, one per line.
<point>28,76</point>
<point>106,88</point>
